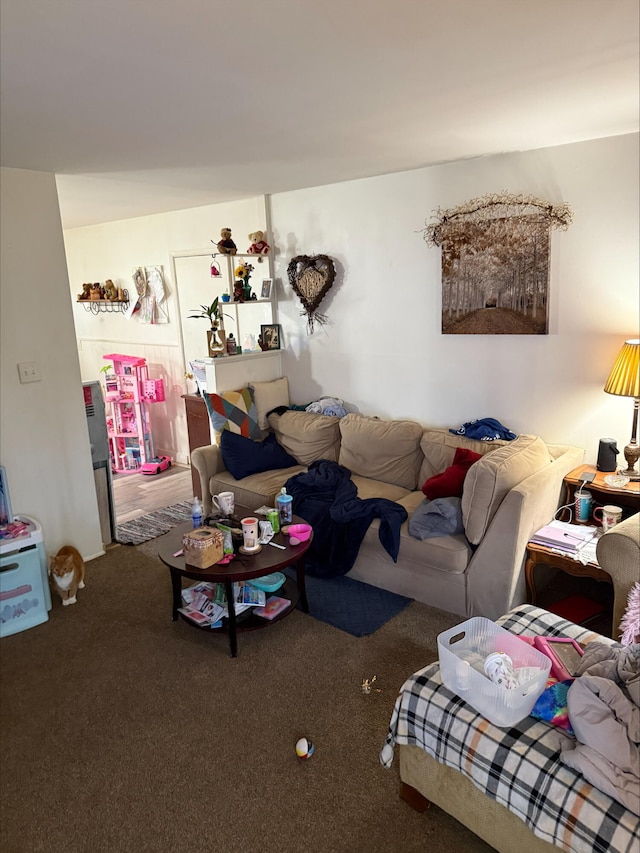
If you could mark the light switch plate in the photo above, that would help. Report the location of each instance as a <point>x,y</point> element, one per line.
<point>29,371</point>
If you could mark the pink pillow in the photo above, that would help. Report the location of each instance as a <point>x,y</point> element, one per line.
<point>449,484</point>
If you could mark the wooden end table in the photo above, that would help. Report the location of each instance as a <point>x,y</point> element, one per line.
<point>243,567</point>
<point>539,555</point>
<point>628,498</point>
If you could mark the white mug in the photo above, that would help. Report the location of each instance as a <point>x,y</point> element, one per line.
<point>225,502</point>
<point>250,534</point>
<point>611,515</point>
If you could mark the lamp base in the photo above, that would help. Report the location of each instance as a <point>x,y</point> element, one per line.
<point>631,454</point>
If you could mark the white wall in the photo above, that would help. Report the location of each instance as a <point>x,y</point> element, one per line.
<point>44,442</point>
<point>383,351</point>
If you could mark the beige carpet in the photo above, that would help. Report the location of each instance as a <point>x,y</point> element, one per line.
<point>124,731</point>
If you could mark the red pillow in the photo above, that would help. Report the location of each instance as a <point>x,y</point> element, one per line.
<point>449,484</point>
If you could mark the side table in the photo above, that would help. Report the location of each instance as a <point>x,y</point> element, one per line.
<point>539,555</point>
<point>628,498</point>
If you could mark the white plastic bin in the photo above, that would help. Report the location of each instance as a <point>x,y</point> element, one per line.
<point>462,651</point>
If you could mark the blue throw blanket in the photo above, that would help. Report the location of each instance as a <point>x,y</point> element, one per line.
<point>485,429</point>
<point>327,499</point>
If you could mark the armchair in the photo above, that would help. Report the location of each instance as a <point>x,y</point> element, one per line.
<point>618,553</point>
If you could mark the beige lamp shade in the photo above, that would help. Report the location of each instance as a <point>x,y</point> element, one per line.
<point>624,379</point>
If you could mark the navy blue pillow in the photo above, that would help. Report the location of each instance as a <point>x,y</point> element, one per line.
<point>243,457</point>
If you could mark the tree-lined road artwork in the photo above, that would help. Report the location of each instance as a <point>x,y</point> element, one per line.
<point>495,278</point>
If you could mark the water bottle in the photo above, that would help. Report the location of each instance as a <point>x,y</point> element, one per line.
<point>284,504</point>
<point>196,513</point>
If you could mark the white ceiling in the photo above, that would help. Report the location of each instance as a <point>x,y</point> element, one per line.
<point>144,106</point>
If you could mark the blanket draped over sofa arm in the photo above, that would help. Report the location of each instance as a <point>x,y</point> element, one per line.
<point>327,499</point>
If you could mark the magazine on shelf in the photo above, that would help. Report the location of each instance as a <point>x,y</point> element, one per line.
<point>274,605</point>
<point>246,593</point>
<point>563,536</point>
<point>243,594</point>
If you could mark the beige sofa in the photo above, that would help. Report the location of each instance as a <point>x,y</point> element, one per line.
<point>513,490</point>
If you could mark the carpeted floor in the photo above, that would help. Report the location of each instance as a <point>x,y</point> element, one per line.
<point>122,730</point>
<point>154,524</point>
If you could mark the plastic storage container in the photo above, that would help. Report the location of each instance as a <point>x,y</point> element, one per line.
<point>25,596</point>
<point>462,651</point>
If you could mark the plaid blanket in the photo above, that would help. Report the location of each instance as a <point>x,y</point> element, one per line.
<point>518,767</point>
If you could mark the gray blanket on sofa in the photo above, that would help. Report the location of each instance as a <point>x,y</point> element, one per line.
<point>327,498</point>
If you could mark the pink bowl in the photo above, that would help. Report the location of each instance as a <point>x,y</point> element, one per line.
<point>301,532</point>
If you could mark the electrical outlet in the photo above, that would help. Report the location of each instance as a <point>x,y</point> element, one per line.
<point>29,371</point>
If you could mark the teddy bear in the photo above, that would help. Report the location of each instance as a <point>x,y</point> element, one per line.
<point>110,291</point>
<point>226,246</point>
<point>95,292</point>
<point>86,291</point>
<point>258,245</point>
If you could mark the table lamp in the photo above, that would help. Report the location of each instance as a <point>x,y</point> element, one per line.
<point>624,381</point>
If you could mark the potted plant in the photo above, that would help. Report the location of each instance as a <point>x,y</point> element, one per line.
<point>213,313</point>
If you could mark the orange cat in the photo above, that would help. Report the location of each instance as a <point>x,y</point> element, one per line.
<point>67,573</point>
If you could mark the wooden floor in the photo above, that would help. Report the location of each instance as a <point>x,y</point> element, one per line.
<point>137,494</point>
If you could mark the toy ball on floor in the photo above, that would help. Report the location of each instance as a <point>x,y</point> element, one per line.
<point>304,748</point>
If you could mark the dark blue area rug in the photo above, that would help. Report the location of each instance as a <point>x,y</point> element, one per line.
<point>355,607</point>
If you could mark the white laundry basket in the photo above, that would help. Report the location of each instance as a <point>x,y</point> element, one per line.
<point>462,651</point>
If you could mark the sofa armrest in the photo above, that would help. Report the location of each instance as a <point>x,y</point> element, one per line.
<point>618,553</point>
<point>207,461</point>
<point>495,581</point>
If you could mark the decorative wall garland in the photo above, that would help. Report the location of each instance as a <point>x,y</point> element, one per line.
<point>525,213</point>
<point>311,277</point>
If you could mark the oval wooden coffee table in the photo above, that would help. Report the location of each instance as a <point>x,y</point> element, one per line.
<point>243,567</point>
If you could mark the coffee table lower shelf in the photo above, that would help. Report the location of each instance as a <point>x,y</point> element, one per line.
<point>248,620</point>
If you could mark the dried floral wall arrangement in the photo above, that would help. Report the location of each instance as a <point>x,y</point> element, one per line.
<point>495,263</point>
<point>311,277</point>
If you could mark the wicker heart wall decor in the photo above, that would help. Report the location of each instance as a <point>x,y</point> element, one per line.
<point>311,277</point>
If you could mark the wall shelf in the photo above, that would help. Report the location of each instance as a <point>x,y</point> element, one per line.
<point>105,306</point>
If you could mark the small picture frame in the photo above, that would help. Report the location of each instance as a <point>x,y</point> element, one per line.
<point>270,336</point>
<point>265,293</point>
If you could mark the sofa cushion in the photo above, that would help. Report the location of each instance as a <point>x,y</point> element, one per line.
<point>242,456</point>
<point>492,477</point>
<point>439,447</point>
<point>449,484</point>
<point>235,411</point>
<point>268,396</point>
<point>255,490</point>
<point>307,436</point>
<point>447,554</point>
<point>381,450</point>
<point>376,489</point>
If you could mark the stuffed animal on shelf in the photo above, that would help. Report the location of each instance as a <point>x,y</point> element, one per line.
<point>66,570</point>
<point>258,245</point>
<point>110,291</point>
<point>226,246</point>
<point>95,292</point>
<point>86,291</point>
<point>238,291</point>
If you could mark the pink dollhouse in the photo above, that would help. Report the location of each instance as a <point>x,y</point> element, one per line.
<point>128,392</point>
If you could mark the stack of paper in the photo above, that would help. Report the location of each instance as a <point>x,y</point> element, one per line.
<point>562,536</point>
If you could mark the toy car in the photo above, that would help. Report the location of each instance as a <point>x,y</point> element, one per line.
<point>156,465</point>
